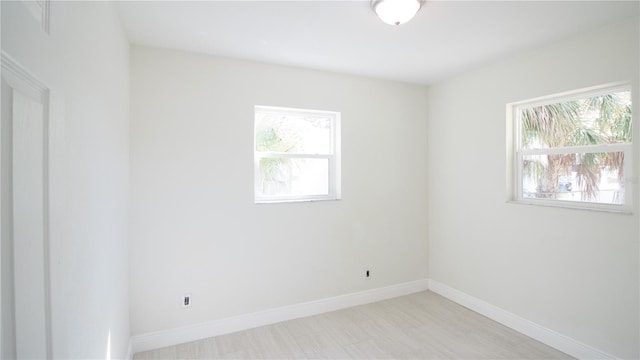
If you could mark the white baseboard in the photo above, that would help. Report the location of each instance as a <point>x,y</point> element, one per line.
<point>159,339</point>
<point>546,336</point>
<point>129,355</point>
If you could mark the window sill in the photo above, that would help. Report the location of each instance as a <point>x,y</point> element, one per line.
<point>284,201</point>
<point>565,205</point>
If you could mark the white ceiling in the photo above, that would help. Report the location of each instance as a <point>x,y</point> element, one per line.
<point>444,39</point>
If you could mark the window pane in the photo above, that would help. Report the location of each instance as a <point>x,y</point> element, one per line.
<point>293,133</point>
<point>601,119</point>
<point>587,177</point>
<point>287,176</point>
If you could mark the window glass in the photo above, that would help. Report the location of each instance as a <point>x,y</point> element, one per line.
<point>293,134</point>
<point>586,177</point>
<point>294,176</point>
<point>600,119</point>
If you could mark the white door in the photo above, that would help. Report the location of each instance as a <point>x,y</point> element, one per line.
<point>25,319</point>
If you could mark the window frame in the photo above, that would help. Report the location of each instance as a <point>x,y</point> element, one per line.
<point>333,158</point>
<point>516,153</point>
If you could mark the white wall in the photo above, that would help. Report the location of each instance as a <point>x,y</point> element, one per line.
<point>575,272</point>
<point>195,228</point>
<point>84,62</point>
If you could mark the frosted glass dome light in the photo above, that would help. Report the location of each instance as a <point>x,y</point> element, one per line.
<point>396,12</point>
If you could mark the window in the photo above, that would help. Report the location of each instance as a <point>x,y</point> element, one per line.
<point>574,149</point>
<point>296,155</point>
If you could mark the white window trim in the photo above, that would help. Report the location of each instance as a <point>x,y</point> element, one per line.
<point>334,192</point>
<point>515,153</point>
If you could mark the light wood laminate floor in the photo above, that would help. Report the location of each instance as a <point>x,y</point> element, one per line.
<point>418,326</point>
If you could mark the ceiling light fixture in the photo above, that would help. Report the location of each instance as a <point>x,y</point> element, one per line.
<point>396,12</point>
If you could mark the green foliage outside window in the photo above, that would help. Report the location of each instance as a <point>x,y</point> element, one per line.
<point>597,120</point>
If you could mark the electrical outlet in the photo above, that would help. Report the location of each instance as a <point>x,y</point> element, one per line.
<point>186,301</point>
